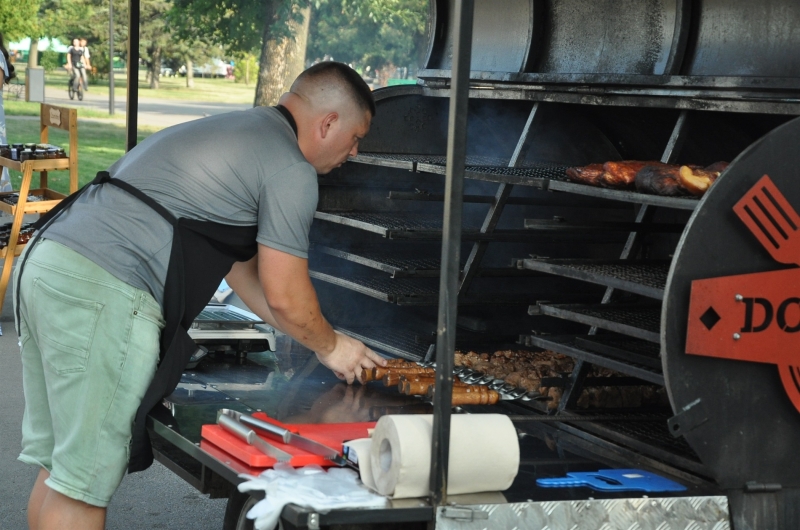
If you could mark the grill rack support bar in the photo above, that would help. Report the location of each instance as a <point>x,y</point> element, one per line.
<point>496,210</point>
<point>463,15</point>
<point>645,215</point>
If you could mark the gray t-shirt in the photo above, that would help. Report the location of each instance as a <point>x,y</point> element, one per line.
<point>241,168</point>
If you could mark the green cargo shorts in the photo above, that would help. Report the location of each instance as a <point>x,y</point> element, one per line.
<point>90,347</point>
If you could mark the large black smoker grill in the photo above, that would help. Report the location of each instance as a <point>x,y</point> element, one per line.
<point>597,274</point>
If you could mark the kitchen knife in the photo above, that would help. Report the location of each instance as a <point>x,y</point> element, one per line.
<point>288,437</point>
<point>248,435</point>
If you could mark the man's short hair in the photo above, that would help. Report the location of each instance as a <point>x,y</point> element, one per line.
<point>357,88</point>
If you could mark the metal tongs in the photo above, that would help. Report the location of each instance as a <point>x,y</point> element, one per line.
<point>284,435</point>
<point>246,434</point>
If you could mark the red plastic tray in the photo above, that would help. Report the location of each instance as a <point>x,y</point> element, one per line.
<point>331,434</point>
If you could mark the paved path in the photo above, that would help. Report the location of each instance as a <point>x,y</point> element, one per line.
<point>152,111</point>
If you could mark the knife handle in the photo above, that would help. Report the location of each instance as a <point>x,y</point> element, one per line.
<point>236,428</point>
<point>284,434</point>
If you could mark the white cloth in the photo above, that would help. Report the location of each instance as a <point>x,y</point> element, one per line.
<point>310,487</point>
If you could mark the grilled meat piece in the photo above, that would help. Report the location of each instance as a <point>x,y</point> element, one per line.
<point>591,174</point>
<point>697,181</point>
<point>660,180</point>
<point>622,174</point>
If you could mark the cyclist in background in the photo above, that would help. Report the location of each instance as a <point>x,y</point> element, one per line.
<point>76,63</point>
<point>87,62</point>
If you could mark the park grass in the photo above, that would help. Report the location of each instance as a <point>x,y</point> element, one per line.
<point>100,144</point>
<point>173,88</point>
<point>15,107</point>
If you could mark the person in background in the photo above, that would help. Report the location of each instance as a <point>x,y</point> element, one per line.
<point>87,62</point>
<point>76,63</point>
<point>6,74</point>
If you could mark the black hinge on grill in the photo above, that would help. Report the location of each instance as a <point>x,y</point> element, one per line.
<point>688,419</point>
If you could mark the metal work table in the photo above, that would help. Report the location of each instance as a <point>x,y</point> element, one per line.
<point>293,387</point>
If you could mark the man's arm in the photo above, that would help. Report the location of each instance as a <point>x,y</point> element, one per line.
<point>288,301</point>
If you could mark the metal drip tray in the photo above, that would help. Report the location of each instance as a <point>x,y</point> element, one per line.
<point>642,321</point>
<point>569,345</point>
<point>647,278</point>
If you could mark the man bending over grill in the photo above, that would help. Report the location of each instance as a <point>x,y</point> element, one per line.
<point>105,295</point>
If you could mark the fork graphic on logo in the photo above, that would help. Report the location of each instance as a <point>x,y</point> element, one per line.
<point>755,317</point>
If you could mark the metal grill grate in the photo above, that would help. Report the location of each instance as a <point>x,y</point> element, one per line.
<point>439,160</point>
<point>568,345</point>
<point>637,320</point>
<point>623,348</point>
<point>420,291</point>
<point>394,341</point>
<point>549,172</point>
<point>646,278</point>
<point>650,433</point>
<point>385,262</point>
<point>388,222</point>
<point>223,315</point>
<point>643,317</point>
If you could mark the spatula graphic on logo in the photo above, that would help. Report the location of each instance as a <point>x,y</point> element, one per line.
<point>770,217</point>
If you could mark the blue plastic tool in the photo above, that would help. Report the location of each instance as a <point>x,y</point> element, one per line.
<point>613,480</point>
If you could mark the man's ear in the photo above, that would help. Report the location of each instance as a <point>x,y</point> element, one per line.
<point>327,122</point>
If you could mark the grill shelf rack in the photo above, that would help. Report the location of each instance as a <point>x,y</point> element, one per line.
<point>649,437</point>
<point>647,278</point>
<point>410,267</point>
<point>635,365</point>
<point>641,321</point>
<point>411,291</point>
<point>624,348</point>
<point>544,176</point>
<point>401,291</point>
<point>429,227</point>
<point>394,341</point>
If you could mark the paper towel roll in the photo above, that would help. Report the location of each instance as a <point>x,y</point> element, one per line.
<point>361,448</point>
<point>484,454</point>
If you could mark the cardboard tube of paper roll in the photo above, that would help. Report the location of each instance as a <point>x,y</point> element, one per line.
<point>401,454</point>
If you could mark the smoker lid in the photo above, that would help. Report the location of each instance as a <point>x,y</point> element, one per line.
<point>745,427</point>
<point>752,44</point>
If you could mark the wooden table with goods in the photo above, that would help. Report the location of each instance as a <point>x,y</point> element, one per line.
<point>51,116</point>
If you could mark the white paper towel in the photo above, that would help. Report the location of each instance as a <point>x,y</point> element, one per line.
<point>484,454</point>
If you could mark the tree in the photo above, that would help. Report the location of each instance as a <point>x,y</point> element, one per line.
<point>18,19</point>
<point>249,26</point>
<point>370,32</point>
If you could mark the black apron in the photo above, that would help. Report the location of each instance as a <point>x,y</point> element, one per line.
<point>202,254</point>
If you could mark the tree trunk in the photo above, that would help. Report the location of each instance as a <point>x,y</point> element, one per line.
<point>189,73</point>
<point>155,68</point>
<point>33,53</point>
<point>281,61</point>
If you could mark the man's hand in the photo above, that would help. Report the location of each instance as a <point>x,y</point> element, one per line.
<point>349,357</point>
